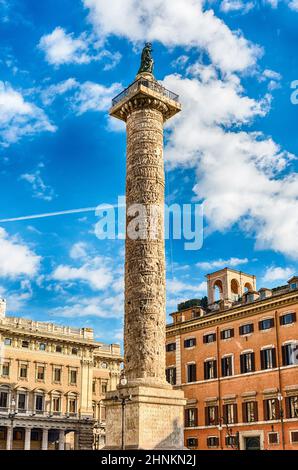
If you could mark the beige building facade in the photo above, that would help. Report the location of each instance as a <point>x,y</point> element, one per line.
<point>53,380</point>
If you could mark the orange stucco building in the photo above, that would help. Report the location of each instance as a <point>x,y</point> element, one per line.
<point>237,362</point>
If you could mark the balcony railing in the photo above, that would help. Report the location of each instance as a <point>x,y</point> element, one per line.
<point>152,85</point>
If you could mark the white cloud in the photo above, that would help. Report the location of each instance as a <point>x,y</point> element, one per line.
<point>294,5</point>
<point>18,117</point>
<point>246,168</point>
<point>91,307</point>
<point>94,97</point>
<point>221,263</point>
<point>61,47</point>
<point>49,94</point>
<point>40,190</point>
<point>16,258</point>
<point>278,274</point>
<point>78,250</point>
<point>228,6</point>
<point>177,286</point>
<point>174,23</point>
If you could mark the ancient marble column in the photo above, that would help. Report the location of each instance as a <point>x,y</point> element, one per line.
<point>154,415</point>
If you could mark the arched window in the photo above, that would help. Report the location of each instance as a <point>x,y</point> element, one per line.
<point>235,289</point>
<point>217,290</point>
<point>248,287</point>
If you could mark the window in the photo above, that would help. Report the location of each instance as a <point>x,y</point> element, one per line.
<point>21,401</point>
<point>210,369</point>
<point>211,415</point>
<point>104,388</point>
<point>59,349</point>
<point>273,438</point>
<point>56,404</point>
<point>231,441</point>
<point>227,366</point>
<point>35,435</point>
<point>190,343</point>
<point>57,374</point>
<point>292,407</point>
<point>212,441</point>
<point>247,362</point>
<point>293,285</point>
<point>23,371</point>
<point>18,435</point>
<point>73,376</point>
<point>271,409</point>
<point>74,351</point>
<point>246,329</point>
<point>171,375</point>
<point>5,369</point>
<point>171,347</point>
<point>191,372</point>
<point>294,437</point>
<point>268,358</point>
<point>289,354</point>
<point>230,414</point>
<point>94,386</point>
<point>39,402</point>
<point>7,341</point>
<point>25,344</point>
<point>72,405</point>
<point>287,319</point>
<point>250,411</point>
<point>191,417</point>
<point>266,324</point>
<point>210,338</point>
<point>192,442</point>
<point>40,373</point>
<point>226,334</point>
<point>42,346</point>
<point>3,399</point>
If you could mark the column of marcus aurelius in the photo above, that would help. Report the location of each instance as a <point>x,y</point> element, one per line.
<point>153,416</point>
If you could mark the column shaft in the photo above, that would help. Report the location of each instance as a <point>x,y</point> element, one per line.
<point>27,439</point>
<point>61,439</point>
<point>9,431</point>
<point>44,443</point>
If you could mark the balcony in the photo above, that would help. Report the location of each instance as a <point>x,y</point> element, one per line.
<point>152,85</point>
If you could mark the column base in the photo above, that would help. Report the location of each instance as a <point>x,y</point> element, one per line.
<point>154,418</point>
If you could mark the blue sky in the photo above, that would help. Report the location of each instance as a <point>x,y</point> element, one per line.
<point>234,146</point>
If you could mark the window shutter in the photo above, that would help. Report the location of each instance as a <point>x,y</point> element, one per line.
<point>206,416</point>
<point>223,367</point>
<point>222,335</point>
<point>284,355</point>
<point>288,413</point>
<point>196,417</point>
<point>242,363</point>
<point>204,339</point>
<point>215,369</point>
<point>265,410</point>
<point>216,416</point>
<point>260,325</point>
<point>214,336</point>
<point>273,358</point>
<point>174,376</point>
<point>294,316</point>
<point>244,412</point>
<point>277,408</point>
<point>194,372</point>
<point>272,322</point>
<point>232,332</point>
<point>262,359</point>
<point>206,370</point>
<point>235,413</point>
<point>252,327</point>
<point>256,411</point>
<point>253,362</point>
<point>281,320</point>
<point>225,414</point>
<point>186,418</point>
<point>241,330</point>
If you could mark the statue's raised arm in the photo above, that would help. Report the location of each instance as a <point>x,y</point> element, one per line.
<point>147,61</point>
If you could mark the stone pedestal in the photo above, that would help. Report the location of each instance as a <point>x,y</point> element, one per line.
<point>153,418</point>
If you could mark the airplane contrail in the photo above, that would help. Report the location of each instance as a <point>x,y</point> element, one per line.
<point>52,214</point>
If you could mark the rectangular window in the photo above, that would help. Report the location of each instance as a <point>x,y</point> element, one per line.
<point>292,407</point>
<point>7,342</point>
<point>59,349</point>
<point>104,388</point>
<point>211,415</point>
<point>5,369</point>
<point>94,386</point>
<point>74,351</point>
<point>268,358</point>
<point>21,401</point>
<point>266,324</point>
<point>289,354</point>
<point>191,417</point>
<point>226,334</point>
<point>250,411</point>
<point>42,346</point>
<point>210,369</point>
<point>191,373</point>
<point>273,438</point>
<point>72,405</point>
<point>246,329</point>
<point>40,373</point>
<point>57,374</point>
<point>288,318</point>
<point>212,441</point>
<point>23,371</point>
<point>210,338</point>
<point>73,377</point>
<point>190,343</point>
<point>247,362</point>
<point>39,402</point>
<point>192,442</point>
<point>227,366</point>
<point>25,344</point>
<point>271,409</point>
<point>56,404</point>
<point>171,375</point>
<point>231,441</point>
<point>171,347</point>
<point>294,437</point>
<point>3,399</point>
<point>230,415</point>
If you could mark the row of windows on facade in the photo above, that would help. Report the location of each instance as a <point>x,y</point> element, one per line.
<point>35,435</point>
<point>40,373</point>
<point>104,386</point>
<point>247,364</point>
<point>41,346</point>
<point>250,412</point>
<point>39,402</point>
<point>228,333</point>
<point>231,441</point>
